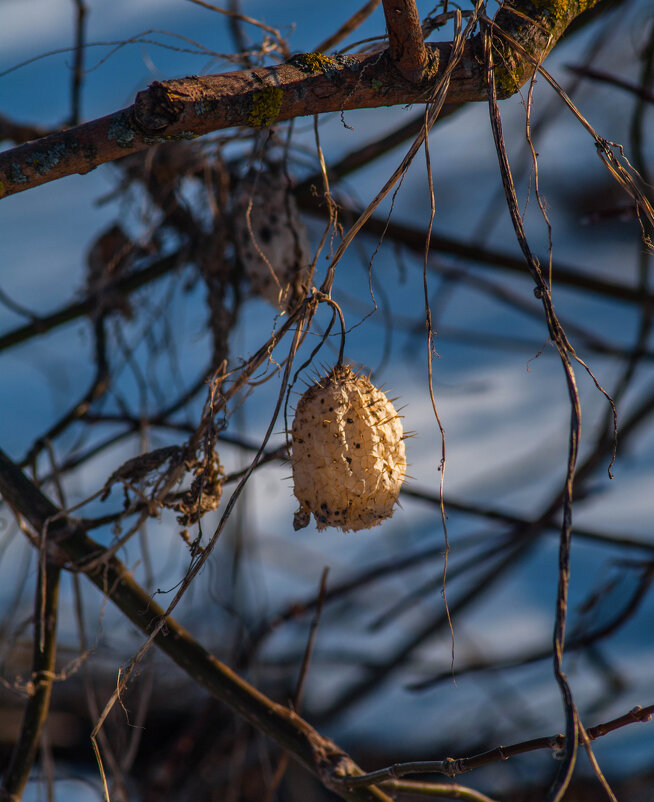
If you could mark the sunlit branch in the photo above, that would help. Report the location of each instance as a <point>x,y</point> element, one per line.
<point>307,84</point>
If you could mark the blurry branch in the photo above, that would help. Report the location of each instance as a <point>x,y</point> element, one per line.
<point>347,27</point>
<point>70,546</point>
<point>411,237</point>
<point>453,767</point>
<point>237,32</point>
<point>574,643</point>
<point>524,535</point>
<point>394,567</point>
<point>397,564</point>
<point>96,390</point>
<point>126,284</point>
<point>366,154</point>
<point>414,239</point>
<point>299,690</point>
<point>307,84</point>
<point>504,516</point>
<point>42,677</point>
<point>238,17</point>
<point>362,687</point>
<point>612,80</point>
<point>19,132</point>
<point>524,306</point>
<point>438,790</point>
<point>134,424</point>
<point>78,67</point>
<point>530,345</point>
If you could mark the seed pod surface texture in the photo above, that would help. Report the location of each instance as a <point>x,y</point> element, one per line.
<point>270,237</point>
<point>348,453</point>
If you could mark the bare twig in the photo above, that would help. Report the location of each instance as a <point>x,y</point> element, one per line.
<point>78,66</point>
<point>455,766</point>
<point>577,641</point>
<point>96,390</point>
<point>299,691</point>
<point>347,27</point>
<point>19,132</point>
<point>414,238</point>
<point>613,80</point>
<point>249,20</point>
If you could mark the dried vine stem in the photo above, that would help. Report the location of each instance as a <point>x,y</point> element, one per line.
<point>625,175</point>
<point>568,753</point>
<point>189,107</point>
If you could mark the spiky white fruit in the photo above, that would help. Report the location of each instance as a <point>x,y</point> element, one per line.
<point>348,455</point>
<point>270,237</point>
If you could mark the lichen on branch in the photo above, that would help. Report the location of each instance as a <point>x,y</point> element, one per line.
<point>311,83</point>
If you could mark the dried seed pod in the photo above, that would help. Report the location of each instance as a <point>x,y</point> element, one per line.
<point>270,237</point>
<point>348,453</point>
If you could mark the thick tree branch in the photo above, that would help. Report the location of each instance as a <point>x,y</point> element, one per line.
<point>310,83</point>
<point>68,544</point>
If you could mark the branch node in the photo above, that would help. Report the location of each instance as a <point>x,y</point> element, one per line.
<point>158,106</point>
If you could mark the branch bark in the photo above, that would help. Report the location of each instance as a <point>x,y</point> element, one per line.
<point>307,84</point>
<point>405,43</point>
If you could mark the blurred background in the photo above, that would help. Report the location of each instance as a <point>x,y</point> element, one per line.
<point>87,385</point>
